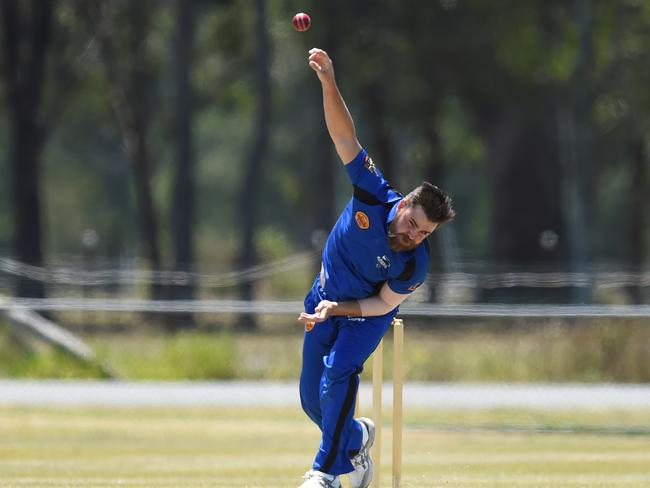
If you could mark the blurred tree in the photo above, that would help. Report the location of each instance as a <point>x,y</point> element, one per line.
<point>637,228</point>
<point>184,194</point>
<point>26,43</point>
<point>256,157</point>
<point>622,112</point>
<point>371,60</point>
<point>513,96</point>
<point>120,29</point>
<point>579,176</point>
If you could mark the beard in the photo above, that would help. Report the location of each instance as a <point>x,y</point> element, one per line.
<point>400,242</point>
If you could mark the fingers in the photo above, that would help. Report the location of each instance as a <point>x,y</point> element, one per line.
<point>321,312</point>
<point>309,317</point>
<point>315,66</point>
<point>320,58</point>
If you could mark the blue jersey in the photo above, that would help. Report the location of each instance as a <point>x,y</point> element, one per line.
<point>357,260</point>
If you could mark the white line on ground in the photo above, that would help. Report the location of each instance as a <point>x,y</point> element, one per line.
<point>251,393</point>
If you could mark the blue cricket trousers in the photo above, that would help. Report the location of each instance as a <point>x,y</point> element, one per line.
<point>333,355</point>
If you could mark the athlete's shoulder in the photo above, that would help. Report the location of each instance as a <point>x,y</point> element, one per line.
<point>385,197</point>
<point>369,185</point>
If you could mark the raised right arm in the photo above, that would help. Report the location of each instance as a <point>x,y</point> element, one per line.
<point>337,117</point>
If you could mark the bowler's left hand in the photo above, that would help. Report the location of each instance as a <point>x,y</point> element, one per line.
<point>321,313</point>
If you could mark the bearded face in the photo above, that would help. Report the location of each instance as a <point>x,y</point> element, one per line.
<point>399,241</point>
<point>409,227</point>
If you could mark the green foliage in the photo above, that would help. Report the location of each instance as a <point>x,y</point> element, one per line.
<point>458,138</point>
<point>195,356</point>
<point>602,352</point>
<point>54,364</point>
<point>548,352</point>
<point>35,361</point>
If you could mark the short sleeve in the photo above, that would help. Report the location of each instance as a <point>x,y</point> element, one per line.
<point>414,272</point>
<point>365,175</point>
<point>407,286</point>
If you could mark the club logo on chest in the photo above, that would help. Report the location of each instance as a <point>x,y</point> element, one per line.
<point>362,220</point>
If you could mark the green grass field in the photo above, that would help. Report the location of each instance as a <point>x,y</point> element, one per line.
<point>261,447</point>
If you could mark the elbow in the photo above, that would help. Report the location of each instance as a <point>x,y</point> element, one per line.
<point>347,148</point>
<point>345,141</point>
<point>374,307</point>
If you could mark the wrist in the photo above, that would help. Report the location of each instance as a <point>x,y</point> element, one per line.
<point>349,308</point>
<point>329,82</point>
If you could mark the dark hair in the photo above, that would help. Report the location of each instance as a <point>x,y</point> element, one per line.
<point>436,203</point>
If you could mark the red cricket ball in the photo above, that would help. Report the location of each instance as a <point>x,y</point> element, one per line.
<point>301,21</point>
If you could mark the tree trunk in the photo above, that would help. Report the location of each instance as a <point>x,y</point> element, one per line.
<point>638,217</point>
<point>25,53</point>
<point>527,214</point>
<point>578,142</point>
<point>130,90</point>
<point>139,89</point>
<point>254,164</point>
<point>183,206</point>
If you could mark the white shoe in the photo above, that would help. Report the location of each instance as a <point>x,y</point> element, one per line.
<point>318,479</point>
<point>362,474</point>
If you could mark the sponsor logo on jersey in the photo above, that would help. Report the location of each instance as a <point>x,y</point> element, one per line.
<point>383,262</point>
<point>362,220</point>
<point>414,287</point>
<point>370,166</point>
<point>309,326</point>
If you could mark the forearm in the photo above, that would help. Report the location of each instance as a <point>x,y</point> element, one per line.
<point>337,116</point>
<point>372,306</point>
<point>349,308</point>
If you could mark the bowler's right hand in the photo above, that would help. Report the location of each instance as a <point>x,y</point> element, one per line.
<point>321,63</point>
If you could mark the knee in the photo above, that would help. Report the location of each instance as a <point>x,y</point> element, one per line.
<point>337,371</point>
